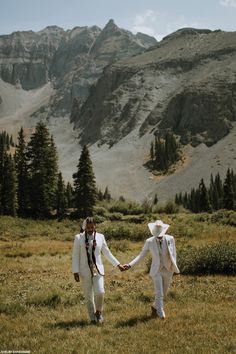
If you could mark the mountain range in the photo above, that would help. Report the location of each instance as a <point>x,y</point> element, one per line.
<point>116,92</point>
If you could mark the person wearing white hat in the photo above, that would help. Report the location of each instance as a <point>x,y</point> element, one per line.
<point>163,251</point>
<point>87,265</point>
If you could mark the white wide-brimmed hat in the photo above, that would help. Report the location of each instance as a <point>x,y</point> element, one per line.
<point>158,228</point>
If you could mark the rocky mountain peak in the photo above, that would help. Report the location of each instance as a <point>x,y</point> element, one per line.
<point>51,29</point>
<point>118,43</point>
<point>110,26</point>
<point>187,31</point>
<point>146,40</point>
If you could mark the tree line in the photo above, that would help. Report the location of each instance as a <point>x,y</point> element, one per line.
<point>31,184</point>
<point>164,152</point>
<point>6,139</point>
<point>219,195</point>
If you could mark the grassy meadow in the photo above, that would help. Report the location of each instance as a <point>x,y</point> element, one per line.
<point>42,308</point>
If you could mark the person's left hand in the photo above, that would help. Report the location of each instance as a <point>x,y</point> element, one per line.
<point>121,267</point>
<point>126,266</point>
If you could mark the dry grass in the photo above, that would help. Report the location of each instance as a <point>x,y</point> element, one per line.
<point>43,310</point>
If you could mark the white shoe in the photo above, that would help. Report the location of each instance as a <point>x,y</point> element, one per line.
<point>161,315</point>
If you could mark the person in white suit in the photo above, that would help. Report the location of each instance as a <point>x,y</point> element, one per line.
<point>87,265</point>
<point>163,251</point>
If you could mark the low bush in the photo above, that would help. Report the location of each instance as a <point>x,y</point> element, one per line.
<point>99,210</point>
<point>215,258</point>
<point>225,217</point>
<point>136,219</point>
<point>115,216</point>
<point>168,208</point>
<point>126,208</point>
<point>124,230</point>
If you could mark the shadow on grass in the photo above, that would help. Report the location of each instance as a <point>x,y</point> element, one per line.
<point>134,321</point>
<point>70,324</point>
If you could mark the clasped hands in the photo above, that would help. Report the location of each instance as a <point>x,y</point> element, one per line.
<point>123,267</point>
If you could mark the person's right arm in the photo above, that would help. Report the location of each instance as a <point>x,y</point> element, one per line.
<point>75,258</point>
<point>141,255</point>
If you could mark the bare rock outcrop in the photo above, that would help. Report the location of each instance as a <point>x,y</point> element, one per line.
<point>187,83</point>
<point>73,60</point>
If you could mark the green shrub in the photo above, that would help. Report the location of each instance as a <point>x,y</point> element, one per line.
<point>115,216</point>
<point>126,208</point>
<point>225,217</point>
<point>168,208</point>
<point>121,245</point>
<point>124,230</point>
<point>99,210</point>
<point>135,219</point>
<point>99,219</point>
<point>215,258</point>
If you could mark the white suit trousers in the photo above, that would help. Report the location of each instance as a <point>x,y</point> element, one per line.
<point>94,294</point>
<point>162,281</point>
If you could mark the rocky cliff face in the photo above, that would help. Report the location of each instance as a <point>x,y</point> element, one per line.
<point>25,57</point>
<point>186,84</point>
<point>119,90</point>
<point>72,59</point>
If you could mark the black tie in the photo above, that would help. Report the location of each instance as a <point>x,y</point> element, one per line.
<point>160,244</point>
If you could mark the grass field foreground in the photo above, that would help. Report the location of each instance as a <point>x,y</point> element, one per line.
<point>43,310</point>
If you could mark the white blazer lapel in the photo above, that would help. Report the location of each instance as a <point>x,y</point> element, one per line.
<point>155,247</point>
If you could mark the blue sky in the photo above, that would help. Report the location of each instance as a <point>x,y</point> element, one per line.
<point>155,17</point>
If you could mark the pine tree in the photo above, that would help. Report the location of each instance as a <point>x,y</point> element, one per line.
<point>22,175</point>
<point>160,155</point>
<point>11,141</point>
<point>193,203</point>
<point>185,200</point>
<point>99,195</point>
<point>9,194</point>
<point>219,190</point>
<point>204,203</point>
<point>152,151</point>
<point>171,148</point>
<point>107,194</point>
<point>155,200</point>
<point>69,195</point>
<point>228,200</point>
<point>61,200</point>
<point>85,186</point>
<point>43,170</point>
<point>2,154</point>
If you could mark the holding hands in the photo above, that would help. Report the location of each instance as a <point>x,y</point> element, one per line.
<point>124,267</point>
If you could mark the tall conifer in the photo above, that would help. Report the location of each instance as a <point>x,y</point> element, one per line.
<point>228,200</point>
<point>9,196</point>
<point>43,170</point>
<point>22,175</point>
<point>61,202</point>
<point>85,186</point>
<point>204,203</point>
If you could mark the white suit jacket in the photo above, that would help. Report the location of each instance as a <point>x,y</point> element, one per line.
<point>151,245</point>
<point>79,255</point>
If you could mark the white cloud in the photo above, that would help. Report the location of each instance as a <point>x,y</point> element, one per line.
<point>229,3</point>
<point>148,16</point>
<point>159,24</point>
<point>143,29</point>
<point>145,23</point>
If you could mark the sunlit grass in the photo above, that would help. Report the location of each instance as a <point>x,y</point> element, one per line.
<point>42,309</point>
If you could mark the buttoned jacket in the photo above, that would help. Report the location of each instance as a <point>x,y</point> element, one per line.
<point>79,255</point>
<point>151,246</point>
